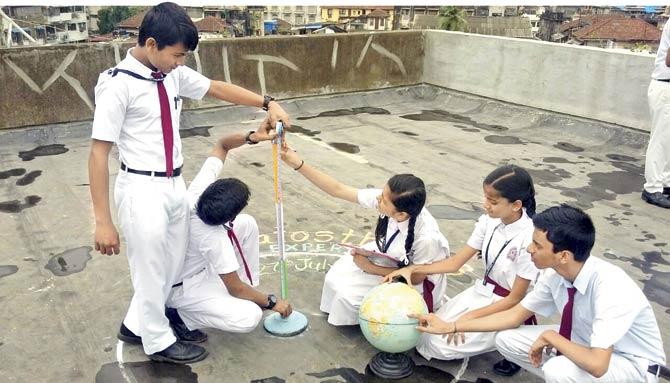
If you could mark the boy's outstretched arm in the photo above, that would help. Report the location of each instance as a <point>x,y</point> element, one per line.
<point>265,132</point>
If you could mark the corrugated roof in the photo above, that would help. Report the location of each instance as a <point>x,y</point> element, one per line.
<point>619,29</point>
<point>211,24</point>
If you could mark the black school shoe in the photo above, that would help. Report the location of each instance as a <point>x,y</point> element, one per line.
<point>180,353</point>
<point>180,330</point>
<point>666,191</point>
<point>506,368</point>
<point>659,199</point>
<point>128,336</point>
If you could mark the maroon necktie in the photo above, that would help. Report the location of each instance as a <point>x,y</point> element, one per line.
<point>566,317</point>
<point>233,239</point>
<point>166,121</point>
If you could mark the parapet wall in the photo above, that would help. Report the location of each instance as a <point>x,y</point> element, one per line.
<point>588,82</point>
<point>46,85</point>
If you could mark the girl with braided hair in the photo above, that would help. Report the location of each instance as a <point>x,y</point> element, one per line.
<point>405,231</point>
<point>501,237</point>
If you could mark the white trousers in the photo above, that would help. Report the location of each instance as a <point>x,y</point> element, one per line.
<point>436,346</point>
<point>515,344</point>
<point>657,160</point>
<point>153,216</point>
<point>203,300</point>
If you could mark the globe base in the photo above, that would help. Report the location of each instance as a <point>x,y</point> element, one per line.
<point>388,365</point>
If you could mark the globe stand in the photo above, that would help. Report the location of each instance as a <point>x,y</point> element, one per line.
<point>387,365</point>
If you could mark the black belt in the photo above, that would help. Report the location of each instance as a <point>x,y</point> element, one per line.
<point>654,368</point>
<point>181,283</point>
<point>663,79</point>
<point>175,173</point>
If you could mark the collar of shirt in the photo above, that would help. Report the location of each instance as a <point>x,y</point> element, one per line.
<point>583,278</point>
<point>515,227</point>
<point>132,64</point>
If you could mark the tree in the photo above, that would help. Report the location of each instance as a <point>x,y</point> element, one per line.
<point>452,18</point>
<point>110,16</point>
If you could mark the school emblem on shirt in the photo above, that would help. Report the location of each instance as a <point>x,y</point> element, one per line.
<point>512,254</point>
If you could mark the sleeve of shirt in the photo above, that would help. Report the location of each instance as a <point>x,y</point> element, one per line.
<point>368,197</point>
<point>111,102</point>
<point>616,307</point>
<point>192,84</point>
<point>540,300</point>
<point>525,268</point>
<point>219,253</point>
<point>476,240</point>
<point>429,248</point>
<point>209,172</point>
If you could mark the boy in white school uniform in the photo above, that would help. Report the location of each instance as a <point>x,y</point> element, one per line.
<point>222,261</point>
<point>608,331</point>
<point>138,104</point>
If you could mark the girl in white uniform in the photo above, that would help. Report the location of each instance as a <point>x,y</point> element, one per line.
<point>405,231</point>
<point>501,236</point>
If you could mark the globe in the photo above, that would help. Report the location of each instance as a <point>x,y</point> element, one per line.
<point>383,316</point>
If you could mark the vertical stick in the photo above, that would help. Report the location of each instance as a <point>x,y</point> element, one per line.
<point>279,209</point>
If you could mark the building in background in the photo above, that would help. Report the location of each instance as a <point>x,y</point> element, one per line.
<point>353,18</point>
<point>293,14</point>
<point>48,25</point>
<point>406,15</point>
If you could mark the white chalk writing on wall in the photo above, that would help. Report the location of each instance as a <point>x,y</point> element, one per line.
<point>275,59</point>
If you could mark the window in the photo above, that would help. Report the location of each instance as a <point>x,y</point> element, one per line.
<point>275,15</point>
<point>72,27</point>
<point>343,12</point>
<point>311,9</point>
<point>312,18</point>
<point>82,27</point>
<point>298,19</point>
<point>330,12</point>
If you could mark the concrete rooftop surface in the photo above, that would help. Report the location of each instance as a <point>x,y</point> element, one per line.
<point>62,303</point>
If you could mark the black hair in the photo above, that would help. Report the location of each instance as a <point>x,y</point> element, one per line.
<point>514,183</point>
<point>408,194</point>
<point>168,24</point>
<point>567,228</point>
<point>222,201</point>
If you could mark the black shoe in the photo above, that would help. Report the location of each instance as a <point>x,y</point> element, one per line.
<point>658,199</point>
<point>128,336</point>
<point>180,330</point>
<point>180,353</point>
<point>666,191</point>
<point>506,368</point>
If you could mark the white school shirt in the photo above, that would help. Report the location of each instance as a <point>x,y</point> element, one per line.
<point>429,245</point>
<point>661,71</point>
<point>608,309</point>
<point>514,260</point>
<point>127,112</point>
<point>209,246</point>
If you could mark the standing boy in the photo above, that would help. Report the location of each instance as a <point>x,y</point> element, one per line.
<point>608,331</point>
<point>138,104</point>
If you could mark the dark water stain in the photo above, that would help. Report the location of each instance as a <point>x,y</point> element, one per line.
<point>257,164</point>
<point>552,175</point>
<point>46,150</point>
<point>12,173</point>
<point>82,185</point>
<point>627,166</point>
<point>411,134</point>
<point>454,213</point>
<point>305,131</point>
<point>70,261</point>
<point>8,270</point>
<point>202,131</point>
<point>272,379</point>
<point>301,219</point>
<point>625,205</point>
<point>29,178</point>
<point>345,147</point>
<point>443,115</point>
<point>618,182</point>
<point>660,244</point>
<point>472,130</point>
<point>442,153</point>
<point>15,206</point>
<point>620,157</point>
<point>596,159</point>
<point>108,349</point>
<point>460,126</point>
<point>146,372</point>
<point>503,140</point>
<point>627,213</point>
<point>568,147</point>
<point>557,160</point>
<point>656,287</point>
<point>650,236</point>
<point>613,220</point>
<point>404,162</point>
<point>347,112</point>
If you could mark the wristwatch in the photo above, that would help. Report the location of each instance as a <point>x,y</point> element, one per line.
<point>272,301</point>
<point>248,139</point>
<point>266,102</point>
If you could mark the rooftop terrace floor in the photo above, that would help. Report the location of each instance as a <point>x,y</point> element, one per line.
<point>62,303</point>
